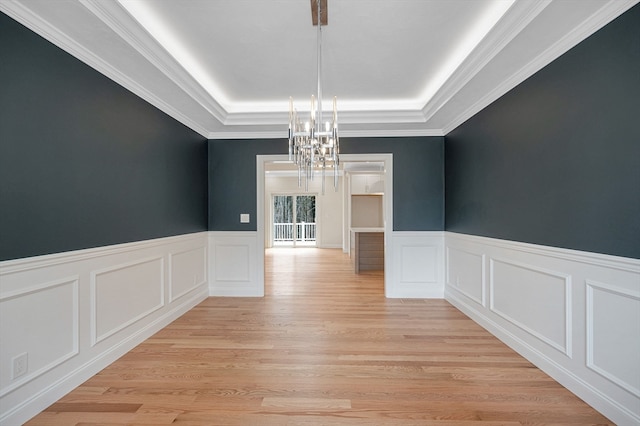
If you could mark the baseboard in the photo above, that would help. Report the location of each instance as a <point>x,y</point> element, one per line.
<point>85,287</point>
<point>558,308</point>
<point>330,246</point>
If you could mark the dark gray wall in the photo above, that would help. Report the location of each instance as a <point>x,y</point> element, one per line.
<point>232,180</point>
<point>556,161</point>
<point>418,179</point>
<point>84,162</point>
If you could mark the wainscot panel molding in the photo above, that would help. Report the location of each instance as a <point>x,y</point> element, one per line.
<point>417,265</point>
<point>71,314</point>
<point>236,264</point>
<point>575,315</point>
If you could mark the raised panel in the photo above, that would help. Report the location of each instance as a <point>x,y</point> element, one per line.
<point>418,264</point>
<point>188,271</point>
<point>55,307</point>
<point>41,321</point>
<point>465,272</point>
<point>613,334</point>
<point>535,299</point>
<point>124,294</point>
<point>592,299</point>
<point>233,262</point>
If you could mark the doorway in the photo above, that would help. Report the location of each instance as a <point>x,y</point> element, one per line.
<point>294,220</point>
<point>263,209</point>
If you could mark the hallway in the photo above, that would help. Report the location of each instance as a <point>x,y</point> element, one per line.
<point>322,347</point>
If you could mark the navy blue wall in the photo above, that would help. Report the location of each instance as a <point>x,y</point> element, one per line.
<point>84,162</point>
<point>418,179</point>
<point>556,161</point>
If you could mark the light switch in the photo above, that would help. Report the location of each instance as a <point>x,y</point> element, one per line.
<point>244,218</point>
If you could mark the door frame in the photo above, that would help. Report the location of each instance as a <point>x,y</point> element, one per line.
<point>387,159</point>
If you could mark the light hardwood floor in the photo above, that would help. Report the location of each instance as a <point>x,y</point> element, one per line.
<point>323,347</point>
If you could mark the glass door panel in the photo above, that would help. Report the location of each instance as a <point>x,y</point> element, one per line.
<point>294,220</point>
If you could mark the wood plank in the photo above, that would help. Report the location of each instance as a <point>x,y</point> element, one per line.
<point>323,346</point>
<point>93,407</point>
<point>306,403</point>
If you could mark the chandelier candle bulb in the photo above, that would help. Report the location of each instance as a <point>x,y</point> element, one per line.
<point>313,109</point>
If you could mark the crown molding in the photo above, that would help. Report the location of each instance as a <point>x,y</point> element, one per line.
<point>199,110</point>
<point>282,134</point>
<point>519,15</point>
<point>294,173</point>
<point>35,23</point>
<point>388,116</point>
<point>390,133</point>
<point>273,134</point>
<point>135,35</point>
<point>597,20</point>
<point>280,118</point>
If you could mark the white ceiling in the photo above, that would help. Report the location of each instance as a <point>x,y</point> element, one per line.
<point>226,68</point>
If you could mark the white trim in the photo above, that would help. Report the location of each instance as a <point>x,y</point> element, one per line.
<point>573,382</point>
<point>29,395</point>
<point>566,278</point>
<point>363,133</point>
<point>423,278</point>
<point>516,19</point>
<point>618,291</point>
<point>211,111</point>
<point>387,159</point>
<point>607,13</point>
<point>29,263</point>
<point>173,297</point>
<point>124,25</point>
<point>73,280</point>
<point>34,22</point>
<point>244,251</point>
<point>56,390</point>
<point>95,338</point>
<point>483,290</point>
<point>589,258</point>
<point>606,391</point>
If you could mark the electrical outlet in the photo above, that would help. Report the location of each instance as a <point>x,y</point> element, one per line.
<point>20,365</point>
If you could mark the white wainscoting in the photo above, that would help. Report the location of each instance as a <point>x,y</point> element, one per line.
<point>417,264</point>
<point>236,264</point>
<point>575,315</point>
<point>74,313</point>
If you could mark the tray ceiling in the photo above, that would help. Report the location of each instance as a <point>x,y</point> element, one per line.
<point>226,68</point>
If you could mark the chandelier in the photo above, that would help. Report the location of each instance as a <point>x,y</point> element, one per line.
<point>313,143</point>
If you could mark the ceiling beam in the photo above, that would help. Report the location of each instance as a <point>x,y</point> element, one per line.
<point>323,11</point>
